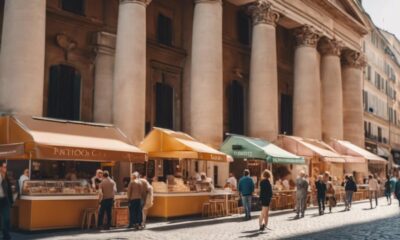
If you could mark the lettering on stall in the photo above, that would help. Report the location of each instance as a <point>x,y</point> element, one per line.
<point>73,152</point>
<point>242,154</point>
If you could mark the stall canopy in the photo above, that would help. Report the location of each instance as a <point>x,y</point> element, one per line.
<point>168,144</point>
<point>50,139</point>
<point>349,149</point>
<point>310,148</point>
<point>245,147</point>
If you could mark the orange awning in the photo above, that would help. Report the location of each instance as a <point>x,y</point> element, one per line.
<point>349,149</point>
<point>168,144</point>
<point>310,148</point>
<point>11,150</point>
<point>50,139</point>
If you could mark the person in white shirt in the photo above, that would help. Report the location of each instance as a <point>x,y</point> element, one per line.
<point>373,188</point>
<point>24,177</point>
<point>232,181</point>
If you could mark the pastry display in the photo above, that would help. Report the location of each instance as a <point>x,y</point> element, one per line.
<point>51,188</point>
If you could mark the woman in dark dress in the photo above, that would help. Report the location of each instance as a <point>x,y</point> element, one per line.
<point>265,198</point>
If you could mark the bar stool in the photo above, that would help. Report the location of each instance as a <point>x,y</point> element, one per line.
<point>88,215</point>
<point>233,206</point>
<point>206,209</point>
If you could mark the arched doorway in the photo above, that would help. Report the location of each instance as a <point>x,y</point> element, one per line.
<point>64,93</point>
<point>236,107</point>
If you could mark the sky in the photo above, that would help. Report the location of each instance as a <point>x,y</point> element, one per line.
<point>385,14</point>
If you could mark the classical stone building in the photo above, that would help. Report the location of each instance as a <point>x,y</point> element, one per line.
<point>206,67</point>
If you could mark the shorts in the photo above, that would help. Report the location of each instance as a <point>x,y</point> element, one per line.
<point>265,203</point>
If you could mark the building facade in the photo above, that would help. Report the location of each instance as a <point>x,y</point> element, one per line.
<point>206,67</point>
<point>381,88</point>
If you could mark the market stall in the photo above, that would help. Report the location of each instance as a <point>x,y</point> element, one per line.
<point>256,155</point>
<point>320,156</point>
<point>362,167</point>
<point>176,160</point>
<point>49,202</point>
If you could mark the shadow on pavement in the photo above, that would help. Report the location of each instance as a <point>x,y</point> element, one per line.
<point>380,230</point>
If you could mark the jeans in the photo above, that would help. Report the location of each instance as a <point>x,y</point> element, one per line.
<point>105,206</point>
<point>5,217</point>
<point>375,193</point>
<point>348,199</point>
<point>321,203</point>
<point>135,212</point>
<point>246,200</point>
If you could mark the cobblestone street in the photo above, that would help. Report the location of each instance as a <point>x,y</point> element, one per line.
<point>359,223</point>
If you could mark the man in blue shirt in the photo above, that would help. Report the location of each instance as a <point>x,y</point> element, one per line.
<point>246,189</point>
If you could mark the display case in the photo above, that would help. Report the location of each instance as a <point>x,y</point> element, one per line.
<point>51,188</point>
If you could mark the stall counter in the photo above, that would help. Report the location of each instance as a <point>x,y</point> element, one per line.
<point>53,212</point>
<point>170,205</point>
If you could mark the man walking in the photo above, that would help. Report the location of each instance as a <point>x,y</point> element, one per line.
<point>301,195</point>
<point>320,185</point>
<point>246,189</point>
<point>107,189</point>
<point>373,188</point>
<point>6,201</point>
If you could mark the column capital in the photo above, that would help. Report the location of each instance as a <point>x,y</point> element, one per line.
<point>307,36</point>
<point>143,2</point>
<point>262,13</point>
<point>208,1</point>
<point>328,46</point>
<point>354,59</point>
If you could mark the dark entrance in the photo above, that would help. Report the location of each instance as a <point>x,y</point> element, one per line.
<point>164,106</point>
<point>64,94</point>
<point>286,123</point>
<point>236,107</point>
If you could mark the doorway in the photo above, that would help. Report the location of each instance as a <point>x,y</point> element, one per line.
<point>164,106</point>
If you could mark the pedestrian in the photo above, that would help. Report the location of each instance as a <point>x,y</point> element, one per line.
<point>320,185</point>
<point>96,180</point>
<point>388,190</point>
<point>22,179</point>
<point>232,182</point>
<point>397,189</point>
<point>149,197</point>
<point>350,187</point>
<point>373,188</point>
<point>330,195</point>
<point>265,198</point>
<point>107,189</point>
<point>135,198</point>
<point>301,195</point>
<point>6,201</point>
<point>246,189</point>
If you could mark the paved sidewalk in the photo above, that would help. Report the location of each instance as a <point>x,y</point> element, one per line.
<point>359,223</point>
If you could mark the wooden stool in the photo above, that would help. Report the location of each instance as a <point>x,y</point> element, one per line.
<point>206,209</point>
<point>88,215</point>
<point>233,206</point>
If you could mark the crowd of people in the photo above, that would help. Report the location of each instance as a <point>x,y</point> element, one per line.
<point>325,193</point>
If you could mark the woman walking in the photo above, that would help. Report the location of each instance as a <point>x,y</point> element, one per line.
<point>388,190</point>
<point>265,198</point>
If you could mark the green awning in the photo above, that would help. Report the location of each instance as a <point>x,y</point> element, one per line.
<point>252,148</point>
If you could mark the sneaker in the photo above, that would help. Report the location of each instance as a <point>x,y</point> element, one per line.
<point>262,227</point>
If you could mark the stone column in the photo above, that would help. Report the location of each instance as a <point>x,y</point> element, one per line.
<point>353,114</point>
<point>129,91</point>
<point>104,71</point>
<point>22,57</point>
<point>307,88</point>
<point>129,87</point>
<point>331,86</point>
<point>263,87</point>
<point>206,85</point>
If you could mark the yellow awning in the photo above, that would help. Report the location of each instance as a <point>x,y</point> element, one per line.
<point>164,143</point>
